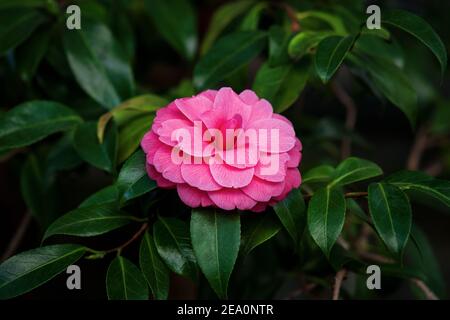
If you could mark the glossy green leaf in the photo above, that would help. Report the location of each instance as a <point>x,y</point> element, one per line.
<point>89,221</point>
<point>177,22</point>
<point>133,180</point>
<point>391,214</point>
<point>228,55</point>
<point>30,269</point>
<point>108,194</point>
<point>17,25</point>
<point>222,17</point>
<point>304,42</point>
<point>153,268</point>
<point>292,214</point>
<point>331,52</point>
<point>281,85</point>
<point>326,216</point>
<point>279,39</point>
<point>420,182</point>
<point>99,63</point>
<point>32,121</point>
<point>323,173</point>
<point>381,49</point>
<point>334,21</point>
<point>420,29</point>
<point>353,170</point>
<point>131,134</point>
<point>100,155</point>
<point>124,281</point>
<point>257,229</point>
<point>173,243</point>
<point>216,240</point>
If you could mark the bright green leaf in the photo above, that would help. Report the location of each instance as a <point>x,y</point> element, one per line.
<point>353,170</point>
<point>304,42</point>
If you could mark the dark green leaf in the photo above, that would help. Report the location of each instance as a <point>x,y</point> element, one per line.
<point>251,20</point>
<point>28,270</point>
<point>173,243</point>
<point>326,216</point>
<point>292,214</point>
<point>33,121</point>
<point>89,221</point>
<point>228,55</point>
<point>100,155</point>
<point>131,134</point>
<point>278,44</point>
<point>216,240</point>
<point>124,281</point>
<point>257,229</point>
<point>153,268</point>
<point>331,51</point>
<point>353,170</point>
<point>333,20</point>
<point>321,173</point>
<point>304,42</point>
<point>281,85</point>
<point>177,22</point>
<point>419,28</point>
<point>108,194</point>
<point>391,215</point>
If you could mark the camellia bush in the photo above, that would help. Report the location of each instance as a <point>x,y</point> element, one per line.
<point>95,96</point>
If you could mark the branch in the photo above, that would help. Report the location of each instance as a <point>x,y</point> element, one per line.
<point>17,238</point>
<point>427,291</point>
<point>340,275</point>
<point>417,150</point>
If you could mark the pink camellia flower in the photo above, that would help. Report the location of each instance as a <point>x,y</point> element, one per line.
<point>225,150</point>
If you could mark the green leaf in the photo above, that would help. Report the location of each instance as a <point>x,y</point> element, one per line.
<point>100,155</point>
<point>278,43</point>
<point>25,3</point>
<point>326,216</point>
<point>420,29</point>
<point>323,173</point>
<point>131,134</point>
<point>63,156</point>
<point>221,19</point>
<point>281,85</point>
<point>391,215</point>
<point>133,180</point>
<point>292,214</point>
<point>28,270</point>
<point>108,194</point>
<point>304,42</point>
<point>33,121</point>
<point>228,55</point>
<point>251,20</point>
<point>216,240</point>
<point>334,21</point>
<point>89,221</point>
<point>257,229</point>
<point>177,22</point>
<point>99,63</point>
<point>173,243</point>
<point>353,170</point>
<point>124,281</point>
<point>153,268</point>
<point>420,182</point>
<point>331,52</point>
<point>17,25</point>
<point>381,49</point>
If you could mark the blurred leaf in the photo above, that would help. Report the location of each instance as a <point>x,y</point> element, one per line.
<point>25,4</point>
<point>216,240</point>
<point>281,85</point>
<point>391,215</point>
<point>124,281</point>
<point>100,155</point>
<point>257,229</point>
<point>89,221</point>
<point>321,173</point>
<point>382,49</point>
<point>326,216</point>
<point>420,29</point>
<point>153,268</point>
<point>33,121</point>
<point>131,134</point>
<point>17,25</point>
<point>123,31</point>
<point>334,21</point>
<point>63,156</point>
<point>133,180</point>
<point>278,43</point>
<point>353,170</point>
<point>173,243</point>
<point>418,181</point>
<point>381,33</point>
<point>221,19</point>
<point>108,194</point>
<point>440,122</point>
<point>30,269</point>
<point>331,52</point>
<point>251,20</point>
<point>304,42</point>
<point>177,22</point>
<point>229,54</point>
<point>99,63</point>
<point>292,214</point>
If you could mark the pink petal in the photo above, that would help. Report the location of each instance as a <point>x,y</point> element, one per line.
<point>210,94</point>
<point>164,164</point>
<point>192,108</point>
<point>230,199</point>
<point>272,167</point>
<point>295,155</point>
<point>259,207</point>
<point>249,97</point>
<point>160,180</point>
<point>278,129</point>
<point>199,176</point>
<point>293,180</point>
<point>193,197</point>
<point>167,113</point>
<point>150,143</point>
<point>231,177</point>
<point>263,191</point>
<point>261,110</point>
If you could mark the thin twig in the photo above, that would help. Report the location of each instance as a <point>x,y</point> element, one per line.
<point>417,150</point>
<point>340,275</point>
<point>350,116</point>
<point>18,236</point>
<point>427,291</point>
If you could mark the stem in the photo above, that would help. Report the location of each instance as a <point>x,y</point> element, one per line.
<point>417,150</point>
<point>353,195</point>
<point>427,291</point>
<point>340,275</point>
<point>18,236</point>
